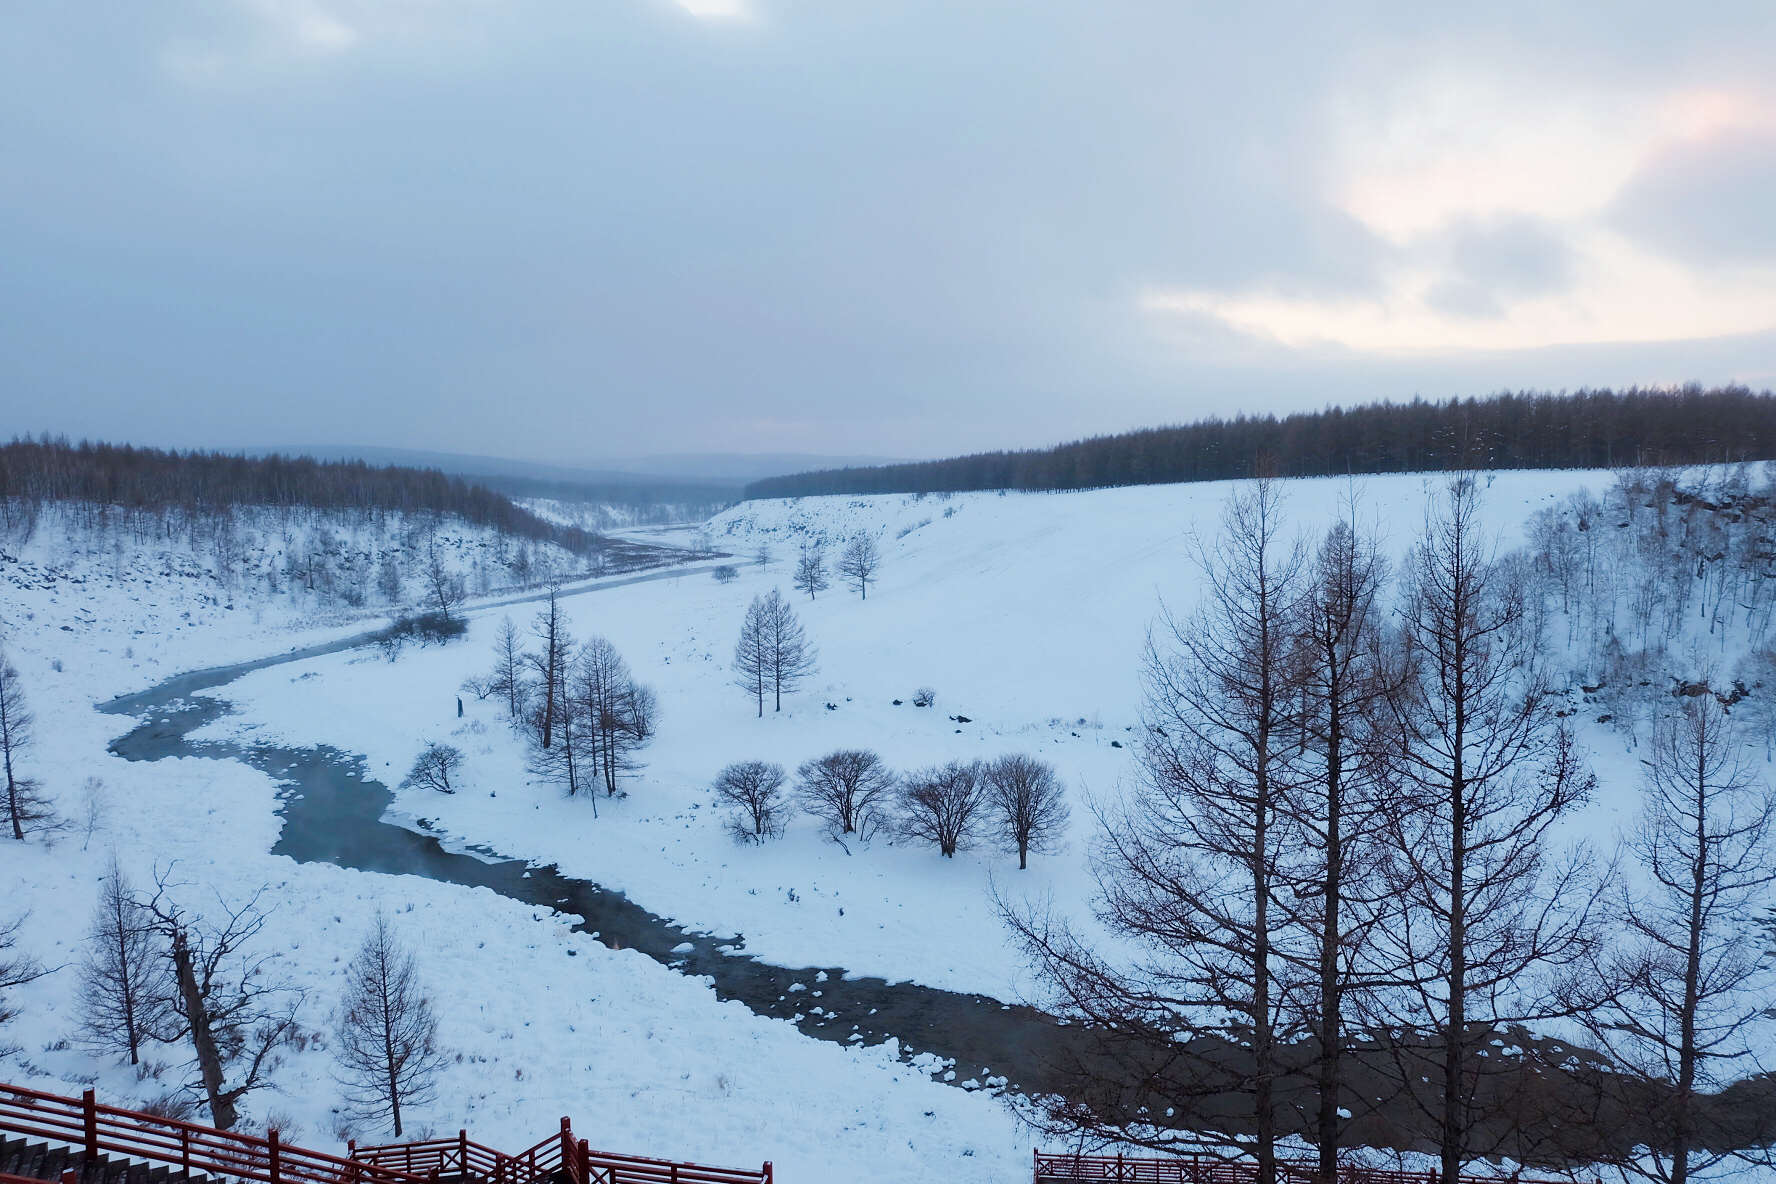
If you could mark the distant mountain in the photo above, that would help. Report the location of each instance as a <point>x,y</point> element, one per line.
<point>730,470</point>
<point>739,466</point>
<point>472,466</point>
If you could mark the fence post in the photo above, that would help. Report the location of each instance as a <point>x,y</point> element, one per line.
<point>462,1151</point>
<point>185,1150</point>
<point>768,1179</point>
<point>584,1162</point>
<point>271,1149</point>
<point>89,1105</point>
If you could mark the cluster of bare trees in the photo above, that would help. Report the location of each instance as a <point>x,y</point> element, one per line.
<point>1658,581</point>
<point>157,972</point>
<point>1342,870</point>
<point>858,564</point>
<point>1016,799</point>
<point>586,716</point>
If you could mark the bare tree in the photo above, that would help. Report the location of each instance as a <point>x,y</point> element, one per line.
<point>762,555</point>
<point>1191,866</point>
<point>26,808</point>
<point>444,588</point>
<point>1337,812</point>
<point>1692,981</point>
<point>756,787</point>
<point>388,578</point>
<point>847,790</point>
<point>859,563</point>
<point>434,767</point>
<point>387,1030</point>
<point>223,998</point>
<point>550,665</point>
<point>620,714</point>
<point>1197,860</point>
<point>773,654</point>
<point>810,570</point>
<point>752,654</point>
<point>507,679</point>
<point>16,969</point>
<point>790,656</point>
<point>939,805</point>
<point>1485,775</point>
<point>125,993</point>
<point>1027,800</point>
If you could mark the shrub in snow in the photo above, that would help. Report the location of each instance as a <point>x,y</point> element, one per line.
<point>757,789</point>
<point>423,629</point>
<point>924,697</point>
<point>725,574</point>
<point>941,805</point>
<point>848,790</point>
<point>434,768</point>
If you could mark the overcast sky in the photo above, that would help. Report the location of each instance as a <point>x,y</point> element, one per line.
<point>563,230</point>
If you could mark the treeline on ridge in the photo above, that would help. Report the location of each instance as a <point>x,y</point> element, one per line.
<point>1587,430</point>
<point>153,480</point>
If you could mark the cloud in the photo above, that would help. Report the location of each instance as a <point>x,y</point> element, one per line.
<point>1516,214</point>
<point>898,226</point>
<point>716,9</point>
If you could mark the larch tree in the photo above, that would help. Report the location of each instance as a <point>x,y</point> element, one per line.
<point>859,562</point>
<point>16,969</point>
<point>1338,812</point>
<point>1691,984</point>
<point>752,653</point>
<point>790,656</point>
<point>1191,864</point>
<point>125,992</point>
<point>444,588</point>
<point>550,665</point>
<point>507,679</point>
<point>25,807</point>
<point>387,1030</point>
<point>1488,916</point>
<point>810,570</point>
<point>619,714</point>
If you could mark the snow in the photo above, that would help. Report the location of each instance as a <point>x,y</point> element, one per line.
<point>1027,613</point>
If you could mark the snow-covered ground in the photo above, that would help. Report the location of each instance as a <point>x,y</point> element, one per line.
<point>1026,612</point>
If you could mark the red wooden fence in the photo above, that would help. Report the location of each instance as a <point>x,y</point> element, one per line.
<point>1203,1169</point>
<point>193,1148</point>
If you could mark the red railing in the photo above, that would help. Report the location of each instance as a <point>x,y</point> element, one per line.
<point>193,1148</point>
<point>1204,1169</point>
<point>84,1124</point>
<point>560,1156</point>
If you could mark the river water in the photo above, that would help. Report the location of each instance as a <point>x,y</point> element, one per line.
<point>333,812</point>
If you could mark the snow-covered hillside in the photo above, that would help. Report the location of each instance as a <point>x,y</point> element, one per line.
<point>1026,612</point>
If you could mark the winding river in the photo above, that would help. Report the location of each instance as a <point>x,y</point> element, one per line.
<point>333,813</point>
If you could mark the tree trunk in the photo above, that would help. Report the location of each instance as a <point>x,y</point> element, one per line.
<point>203,1040</point>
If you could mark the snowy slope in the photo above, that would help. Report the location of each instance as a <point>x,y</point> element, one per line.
<point>1026,612</point>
